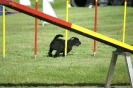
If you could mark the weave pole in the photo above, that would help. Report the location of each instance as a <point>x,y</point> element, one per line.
<point>124,23</point>
<point>95,25</point>
<point>66,32</point>
<point>36,32</point>
<point>4,32</point>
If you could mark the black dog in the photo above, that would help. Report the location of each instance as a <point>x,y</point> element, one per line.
<point>58,44</point>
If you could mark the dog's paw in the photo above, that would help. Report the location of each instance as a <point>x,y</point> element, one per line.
<point>55,56</point>
<point>50,55</point>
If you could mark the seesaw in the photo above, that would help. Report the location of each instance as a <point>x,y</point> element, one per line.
<point>82,31</point>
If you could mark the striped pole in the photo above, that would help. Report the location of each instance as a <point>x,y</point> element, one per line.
<point>66,32</point>
<point>95,25</point>
<point>4,33</point>
<point>124,23</point>
<point>36,32</point>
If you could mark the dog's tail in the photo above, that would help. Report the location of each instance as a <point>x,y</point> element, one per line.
<point>57,36</point>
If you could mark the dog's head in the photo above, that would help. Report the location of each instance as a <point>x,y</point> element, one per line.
<point>75,41</point>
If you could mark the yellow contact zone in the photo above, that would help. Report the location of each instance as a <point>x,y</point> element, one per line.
<point>102,37</point>
<point>36,0</point>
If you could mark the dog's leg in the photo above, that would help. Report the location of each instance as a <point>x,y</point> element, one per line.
<point>50,52</point>
<point>57,54</point>
<point>63,54</point>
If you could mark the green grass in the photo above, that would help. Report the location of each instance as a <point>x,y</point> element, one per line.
<point>79,68</point>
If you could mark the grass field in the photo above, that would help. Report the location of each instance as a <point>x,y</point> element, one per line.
<point>80,68</point>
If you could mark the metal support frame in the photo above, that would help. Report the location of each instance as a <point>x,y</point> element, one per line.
<point>112,66</point>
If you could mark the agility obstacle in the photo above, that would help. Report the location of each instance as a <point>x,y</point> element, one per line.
<point>66,32</point>
<point>25,2</point>
<point>95,25</point>
<point>36,32</point>
<point>82,31</point>
<point>67,25</point>
<point>4,32</point>
<point>47,9</point>
<point>124,22</point>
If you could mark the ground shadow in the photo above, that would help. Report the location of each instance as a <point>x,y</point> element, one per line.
<point>54,84</point>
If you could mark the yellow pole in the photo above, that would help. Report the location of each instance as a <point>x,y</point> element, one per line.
<point>124,23</point>
<point>66,32</point>
<point>4,33</point>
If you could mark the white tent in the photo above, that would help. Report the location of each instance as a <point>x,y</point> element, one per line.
<point>25,2</point>
<point>47,9</point>
<point>51,0</point>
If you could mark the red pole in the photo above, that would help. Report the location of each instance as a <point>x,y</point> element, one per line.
<point>95,25</point>
<point>36,32</point>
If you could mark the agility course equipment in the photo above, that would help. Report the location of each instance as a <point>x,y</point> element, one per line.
<point>124,22</point>
<point>85,3</point>
<point>4,12</point>
<point>36,32</point>
<point>80,3</point>
<point>66,32</point>
<point>116,2</point>
<point>112,67</point>
<point>25,2</point>
<point>95,25</point>
<point>47,9</point>
<point>4,32</point>
<point>7,12</point>
<point>67,25</point>
<point>51,0</point>
<point>78,29</point>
